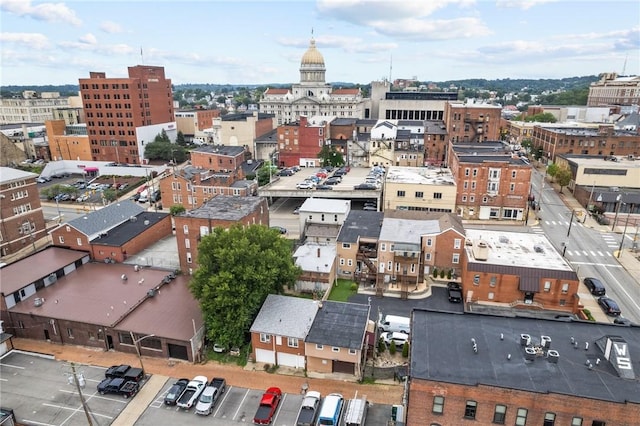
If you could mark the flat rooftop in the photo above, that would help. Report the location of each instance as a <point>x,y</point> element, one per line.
<point>624,163</point>
<point>226,207</point>
<point>516,249</point>
<point>442,351</point>
<point>419,175</point>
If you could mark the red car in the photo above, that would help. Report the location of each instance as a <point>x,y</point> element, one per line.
<point>321,175</point>
<point>268,406</point>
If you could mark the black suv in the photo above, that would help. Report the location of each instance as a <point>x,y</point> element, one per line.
<point>595,286</point>
<point>454,291</point>
<point>609,306</point>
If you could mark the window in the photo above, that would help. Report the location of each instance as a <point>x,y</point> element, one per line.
<point>499,414</point>
<point>401,193</point>
<point>350,262</point>
<point>341,261</point>
<point>476,279</point>
<point>470,410</point>
<point>427,257</point>
<point>438,403</point>
<point>521,417</point>
<point>151,343</point>
<point>265,338</point>
<point>547,286</point>
<point>455,258</point>
<point>187,243</point>
<point>466,172</point>
<point>319,346</point>
<point>335,349</point>
<point>189,260</point>
<point>549,419</point>
<point>475,172</point>
<point>598,423</point>
<point>437,195</point>
<point>352,351</point>
<point>513,174</point>
<point>492,281</point>
<point>429,242</point>
<point>292,342</point>
<point>91,335</point>
<point>125,338</point>
<point>419,194</point>
<point>565,288</point>
<point>457,243</point>
<point>185,229</point>
<point>464,198</point>
<point>70,333</point>
<point>61,239</point>
<point>346,245</point>
<point>491,295</point>
<point>576,421</point>
<point>79,241</point>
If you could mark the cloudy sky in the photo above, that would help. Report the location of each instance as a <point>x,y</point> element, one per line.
<point>261,42</point>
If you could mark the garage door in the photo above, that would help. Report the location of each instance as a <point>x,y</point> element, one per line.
<point>263,355</point>
<point>290,360</point>
<point>343,367</point>
<point>178,351</point>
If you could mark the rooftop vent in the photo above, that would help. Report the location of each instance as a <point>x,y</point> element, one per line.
<point>538,248</point>
<point>545,342</point>
<point>525,340</point>
<point>553,356</point>
<point>481,251</point>
<point>529,354</point>
<point>38,301</point>
<point>152,292</point>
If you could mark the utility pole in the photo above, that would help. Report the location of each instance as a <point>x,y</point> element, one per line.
<point>573,212</point>
<point>84,404</point>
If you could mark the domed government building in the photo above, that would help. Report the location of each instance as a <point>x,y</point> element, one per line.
<point>313,96</point>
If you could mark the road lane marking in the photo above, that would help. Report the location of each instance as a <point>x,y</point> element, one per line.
<point>33,422</point>
<point>12,366</point>
<point>597,264</point>
<point>629,298</point>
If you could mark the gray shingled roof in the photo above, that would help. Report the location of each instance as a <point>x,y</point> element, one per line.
<point>106,218</point>
<point>442,350</point>
<point>360,224</point>
<point>339,324</point>
<point>285,316</point>
<point>407,231</point>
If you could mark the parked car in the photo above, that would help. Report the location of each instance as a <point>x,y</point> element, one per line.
<point>191,394</point>
<point>175,392</point>
<point>333,181</point>
<point>43,179</point>
<point>297,210</point>
<point>366,186</point>
<point>268,406</point>
<point>305,185</point>
<point>398,338</point>
<point>595,286</point>
<point>322,175</point>
<point>280,229</point>
<point>121,386</point>
<point>609,306</point>
<point>309,409</point>
<point>155,196</point>
<point>369,209</point>
<point>210,396</point>
<point>454,290</point>
<point>285,172</point>
<point>218,348</point>
<point>324,187</point>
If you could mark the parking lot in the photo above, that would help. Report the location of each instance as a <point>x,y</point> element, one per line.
<point>39,392</point>
<point>238,405</point>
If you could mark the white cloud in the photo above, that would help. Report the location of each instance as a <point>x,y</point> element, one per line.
<point>49,12</point>
<point>88,39</point>
<point>31,40</point>
<point>364,12</point>
<point>111,27</point>
<point>105,49</point>
<point>521,4</point>
<point>425,30</point>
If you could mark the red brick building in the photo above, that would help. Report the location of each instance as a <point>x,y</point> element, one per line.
<point>299,143</point>
<point>65,145</point>
<point>21,217</point>
<point>221,211</point>
<point>585,140</point>
<point>518,270</point>
<point>115,108</point>
<point>472,122</point>
<point>220,158</point>
<point>487,369</point>
<point>491,183</point>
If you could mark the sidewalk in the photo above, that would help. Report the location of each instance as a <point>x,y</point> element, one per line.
<point>381,393</point>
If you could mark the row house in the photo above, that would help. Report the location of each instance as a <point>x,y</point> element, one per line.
<point>221,211</point>
<point>428,189</point>
<point>518,270</point>
<point>435,142</point>
<point>596,139</point>
<point>191,186</point>
<point>302,333</point>
<point>491,182</point>
<point>220,158</point>
<point>21,216</point>
<point>300,142</point>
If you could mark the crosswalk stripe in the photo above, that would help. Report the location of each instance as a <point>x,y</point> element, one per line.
<point>600,253</point>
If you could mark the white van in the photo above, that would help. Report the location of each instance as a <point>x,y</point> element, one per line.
<point>394,323</point>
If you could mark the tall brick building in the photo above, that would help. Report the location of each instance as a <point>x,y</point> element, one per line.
<point>300,142</point>
<point>21,217</point>
<point>123,114</point>
<point>472,122</point>
<point>486,369</point>
<point>491,183</point>
<point>222,211</point>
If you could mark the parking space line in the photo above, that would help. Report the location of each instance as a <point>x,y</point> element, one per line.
<point>226,393</point>
<point>94,396</point>
<point>33,422</point>
<point>3,380</point>
<point>76,410</point>
<point>275,417</point>
<point>240,406</point>
<point>12,366</point>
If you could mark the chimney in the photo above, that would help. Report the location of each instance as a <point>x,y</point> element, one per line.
<point>318,251</point>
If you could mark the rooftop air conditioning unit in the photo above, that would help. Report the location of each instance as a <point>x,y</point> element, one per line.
<point>38,301</point>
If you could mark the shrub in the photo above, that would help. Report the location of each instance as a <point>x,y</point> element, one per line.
<point>405,350</point>
<point>435,272</point>
<point>354,287</point>
<point>392,348</point>
<point>449,272</point>
<point>442,274</point>
<point>381,346</point>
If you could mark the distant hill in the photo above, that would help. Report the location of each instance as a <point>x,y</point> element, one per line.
<point>502,85</point>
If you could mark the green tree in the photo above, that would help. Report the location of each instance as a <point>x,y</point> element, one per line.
<point>166,151</point>
<point>109,194</point>
<point>180,138</point>
<point>563,177</point>
<point>330,157</point>
<point>392,348</point>
<point>543,117</point>
<point>57,189</point>
<point>538,153</point>
<point>381,346</point>
<point>552,170</point>
<point>162,137</point>
<point>238,268</point>
<point>177,209</point>
<point>405,350</point>
<point>266,172</point>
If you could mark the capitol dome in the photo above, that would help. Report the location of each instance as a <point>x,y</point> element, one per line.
<point>312,56</point>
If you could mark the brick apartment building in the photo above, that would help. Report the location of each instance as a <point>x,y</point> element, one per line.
<point>193,123</point>
<point>68,142</point>
<point>488,369</point>
<point>21,216</point>
<point>472,122</point>
<point>586,140</point>
<point>220,158</point>
<point>191,187</point>
<point>491,183</point>
<point>117,110</point>
<point>221,211</point>
<point>300,142</point>
<point>614,90</point>
<point>435,142</point>
<point>518,270</point>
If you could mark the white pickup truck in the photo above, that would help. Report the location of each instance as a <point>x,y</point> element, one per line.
<point>191,394</point>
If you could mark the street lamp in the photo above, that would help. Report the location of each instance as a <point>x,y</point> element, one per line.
<point>624,233</point>
<point>615,219</point>
<point>136,343</point>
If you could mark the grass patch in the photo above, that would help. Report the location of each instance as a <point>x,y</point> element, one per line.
<point>368,381</point>
<point>343,290</point>
<point>226,358</point>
